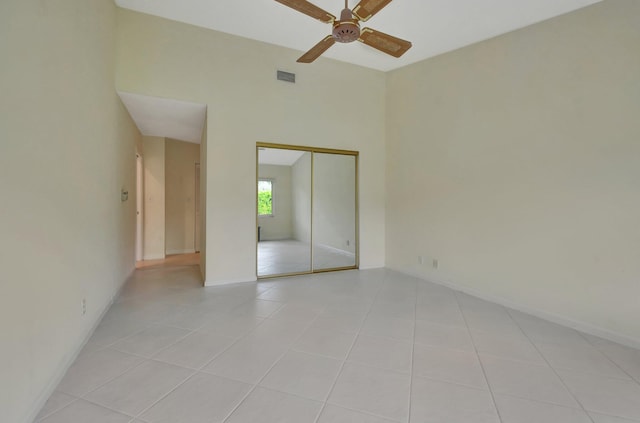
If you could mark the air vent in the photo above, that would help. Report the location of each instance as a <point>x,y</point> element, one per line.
<point>287,76</point>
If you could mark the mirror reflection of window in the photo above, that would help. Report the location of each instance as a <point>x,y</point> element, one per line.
<point>265,197</point>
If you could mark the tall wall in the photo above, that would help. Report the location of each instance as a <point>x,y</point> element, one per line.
<point>180,196</point>
<point>278,226</point>
<point>67,150</point>
<point>514,162</point>
<point>236,78</point>
<point>154,198</point>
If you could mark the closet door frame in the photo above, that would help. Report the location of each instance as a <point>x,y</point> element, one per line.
<point>312,150</point>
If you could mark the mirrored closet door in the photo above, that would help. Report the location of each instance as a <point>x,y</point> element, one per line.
<point>334,211</point>
<point>307,214</point>
<point>284,212</point>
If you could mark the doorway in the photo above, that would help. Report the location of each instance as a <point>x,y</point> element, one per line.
<point>196,235</point>
<point>170,210</point>
<point>139,207</point>
<point>307,210</point>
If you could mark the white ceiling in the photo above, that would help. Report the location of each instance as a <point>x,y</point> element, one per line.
<point>276,156</point>
<point>163,117</point>
<point>434,26</point>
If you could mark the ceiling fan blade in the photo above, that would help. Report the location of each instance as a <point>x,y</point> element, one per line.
<point>309,9</point>
<point>317,50</point>
<point>396,47</point>
<point>367,8</point>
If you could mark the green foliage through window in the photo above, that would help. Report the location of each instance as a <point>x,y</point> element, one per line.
<point>265,197</point>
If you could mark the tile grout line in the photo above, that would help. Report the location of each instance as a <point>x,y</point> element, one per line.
<point>75,399</point>
<point>484,372</point>
<point>551,367</point>
<point>146,359</point>
<point>200,371</point>
<point>236,340</point>
<point>413,351</point>
<point>154,322</point>
<point>366,413</point>
<point>609,359</point>
<point>109,347</point>
<point>257,384</point>
<point>344,362</point>
<point>137,415</point>
<point>108,408</point>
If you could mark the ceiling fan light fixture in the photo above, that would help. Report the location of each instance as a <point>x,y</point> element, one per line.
<point>346,32</point>
<point>347,29</point>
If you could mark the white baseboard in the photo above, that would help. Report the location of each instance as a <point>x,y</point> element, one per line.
<point>62,370</point>
<point>370,267</point>
<point>229,281</point>
<point>154,257</point>
<point>584,327</point>
<point>187,251</point>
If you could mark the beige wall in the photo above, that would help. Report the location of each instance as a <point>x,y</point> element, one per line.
<point>67,149</point>
<point>236,78</point>
<point>515,163</point>
<point>154,198</point>
<point>180,196</point>
<point>279,225</point>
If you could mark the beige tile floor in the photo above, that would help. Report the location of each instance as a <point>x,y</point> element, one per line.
<point>348,347</point>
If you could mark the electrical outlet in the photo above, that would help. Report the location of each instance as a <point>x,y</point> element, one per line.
<point>435,263</point>
<point>421,259</point>
<point>83,304</point>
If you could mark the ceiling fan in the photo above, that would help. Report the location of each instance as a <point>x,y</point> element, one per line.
<point>347,29</point>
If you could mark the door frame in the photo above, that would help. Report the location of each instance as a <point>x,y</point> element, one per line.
<point>196,235</point>
<point>139,207</point>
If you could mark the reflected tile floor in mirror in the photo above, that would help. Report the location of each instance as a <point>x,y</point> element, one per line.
<point>291,256</point>
<point>356,346</point>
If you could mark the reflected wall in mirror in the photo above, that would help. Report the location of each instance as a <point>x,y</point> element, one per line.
<point>334,211</point>
<point>307,210</point>
<point>284,205</point>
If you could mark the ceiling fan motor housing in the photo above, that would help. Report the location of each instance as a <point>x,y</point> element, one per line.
<point>347,29</point>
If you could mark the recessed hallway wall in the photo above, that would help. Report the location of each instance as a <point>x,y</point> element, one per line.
<point>154,198</point>
<point>180,196</point>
